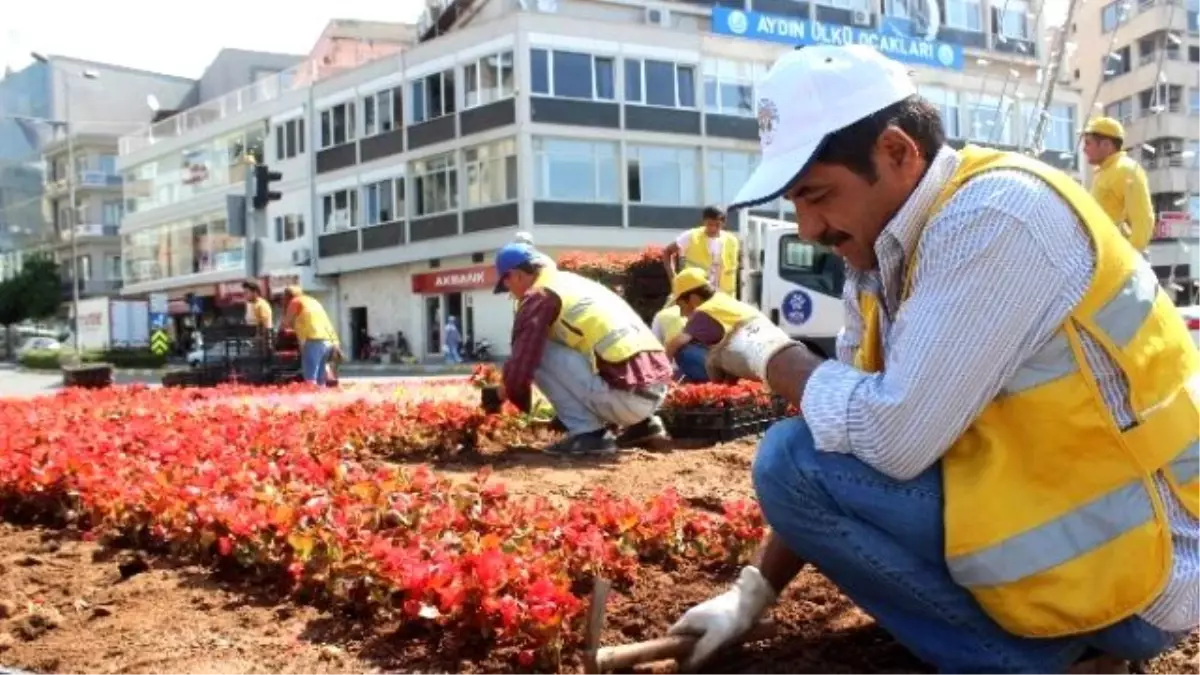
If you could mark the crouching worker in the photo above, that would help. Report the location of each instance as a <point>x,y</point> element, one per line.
<point>587,350</point>
<point>667,324</point>
<point>714,320</point>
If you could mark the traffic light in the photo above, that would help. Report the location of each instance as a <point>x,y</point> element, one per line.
<point>263,177</point>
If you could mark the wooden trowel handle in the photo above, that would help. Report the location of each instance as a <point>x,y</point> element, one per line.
<point>677,647</point>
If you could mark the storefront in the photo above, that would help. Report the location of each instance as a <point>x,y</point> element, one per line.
<point>383,307</point>
<point>452,293</point>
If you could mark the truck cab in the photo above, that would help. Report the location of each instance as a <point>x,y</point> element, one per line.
<point>797,284</point>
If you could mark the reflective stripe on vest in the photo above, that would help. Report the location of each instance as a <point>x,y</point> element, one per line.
<point>1050,511</point>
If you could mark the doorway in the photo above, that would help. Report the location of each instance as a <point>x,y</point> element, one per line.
<point>433,325</point>
<point>360,341</point>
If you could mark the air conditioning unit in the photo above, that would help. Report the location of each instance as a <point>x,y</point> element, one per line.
<point>861,17</point>
<point>302,256</point>
<point>658,17</point>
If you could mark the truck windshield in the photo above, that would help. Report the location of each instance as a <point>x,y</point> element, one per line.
<point>812,266</point>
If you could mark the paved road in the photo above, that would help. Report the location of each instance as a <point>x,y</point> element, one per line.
<point>15,382</point>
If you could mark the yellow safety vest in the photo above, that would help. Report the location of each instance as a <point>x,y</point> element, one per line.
<point>1121,189</point>
<point>672,322</point>
<point>727,310</point>
<point>697,255</point>
<point>1052,520</point>
<point>311,322</point>
<point>594,321</point>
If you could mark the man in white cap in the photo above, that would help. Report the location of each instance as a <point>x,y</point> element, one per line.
<point>1001,466</point>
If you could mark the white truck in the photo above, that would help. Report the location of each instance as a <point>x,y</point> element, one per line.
<point>798,285</point>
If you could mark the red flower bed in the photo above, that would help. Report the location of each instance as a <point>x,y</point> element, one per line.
<point>268,480</point>
<point>608,264</point>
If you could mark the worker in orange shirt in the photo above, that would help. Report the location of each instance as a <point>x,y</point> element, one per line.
<point>1119,183</point>
<point>315,332</point>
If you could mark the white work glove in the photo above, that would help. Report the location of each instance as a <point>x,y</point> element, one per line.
<point>747,350</point>
<point>725,618</point>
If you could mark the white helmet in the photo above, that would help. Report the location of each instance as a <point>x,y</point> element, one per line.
<point>523,237</point>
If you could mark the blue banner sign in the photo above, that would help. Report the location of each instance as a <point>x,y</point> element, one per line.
<point>792,31</point>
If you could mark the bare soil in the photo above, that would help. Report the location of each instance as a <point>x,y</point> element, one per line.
<point>65,607</point>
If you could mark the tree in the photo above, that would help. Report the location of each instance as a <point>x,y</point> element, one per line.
<point>34,293</point>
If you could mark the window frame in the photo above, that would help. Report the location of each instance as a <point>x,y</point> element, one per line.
<point>374,187</point>
<point>289,139</point>
<point>950,21</point>
<point>372,122</point>
<point>294,221</point>
<point>421,171</point>
<point>602,157</point>
<point>677,71</point>
<point>422,102</point>
<point>500,91</point>
<point>633,155</point>
<point>329,208</point>
<point>595,60</point>
<point>719,162</point>
<point>505,158</point>
<point>329,136</point>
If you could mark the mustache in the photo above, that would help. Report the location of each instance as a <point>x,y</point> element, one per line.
<point>832,238</point>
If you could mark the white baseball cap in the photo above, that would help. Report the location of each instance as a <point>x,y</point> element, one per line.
<point>808,94</point>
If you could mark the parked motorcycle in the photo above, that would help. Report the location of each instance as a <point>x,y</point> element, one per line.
<point>477,351</point>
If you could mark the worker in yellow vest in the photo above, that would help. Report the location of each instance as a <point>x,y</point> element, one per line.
<point>315,332</point>
<point>1119,183</point>
<point>589,353</point>
<point>1000,466</point>
<point>708,247</point>
<point>666,324</point>
<point>712,317</point>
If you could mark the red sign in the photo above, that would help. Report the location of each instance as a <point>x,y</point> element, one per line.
<point>1173,225</point>
<point>453,281</point>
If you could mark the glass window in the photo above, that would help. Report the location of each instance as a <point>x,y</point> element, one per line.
<point>964,15</point>
<point>568,170</point>
<point>380,202</point>
<point>488,79</point>
<point>1010,18</point>
<point>726,171</point>
<point>661,175</point>
<point>946,101</point>
<point>338,125</point>
<point>573,75</point>
<point>990,120</point>
<point>433,96</point>
<point>660,83</point>
<point>729,86</point>
<point>435,185</point>
<point>491,172</point>
<point>339,211</point>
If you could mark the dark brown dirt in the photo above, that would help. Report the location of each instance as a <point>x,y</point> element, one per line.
<point>64,606</point>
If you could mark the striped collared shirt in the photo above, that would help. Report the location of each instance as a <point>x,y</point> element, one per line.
<point>1001,267</point>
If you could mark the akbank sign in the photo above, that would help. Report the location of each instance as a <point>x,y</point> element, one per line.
<point>792,31</point>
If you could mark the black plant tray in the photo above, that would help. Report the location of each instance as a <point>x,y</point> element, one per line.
<point>718,424</point>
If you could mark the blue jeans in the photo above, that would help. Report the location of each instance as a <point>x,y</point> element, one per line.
<point>452,354</point>
<point>881,541</point>
<point>314,354</point>
<point>690,361</point>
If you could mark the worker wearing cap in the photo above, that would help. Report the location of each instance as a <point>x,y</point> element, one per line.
<point>708,247</point>
<point>315,332</point>
<point>1119,183</point>
<point>712,317</point>
<point>588,352</point>
<point>1000,466</point>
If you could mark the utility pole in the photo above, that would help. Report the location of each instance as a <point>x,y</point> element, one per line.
<point>1060,55</point>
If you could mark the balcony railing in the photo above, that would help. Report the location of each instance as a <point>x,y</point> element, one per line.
<point>263,90</point>
<point>90,230</point>
<point>87,178</point>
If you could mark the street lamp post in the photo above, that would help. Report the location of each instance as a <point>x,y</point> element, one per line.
<point>65,125</point>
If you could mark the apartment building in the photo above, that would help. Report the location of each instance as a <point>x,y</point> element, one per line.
<point>38,104</point>
<point>600,126</point>
<point>179,172</point>
<point>1139,59</point>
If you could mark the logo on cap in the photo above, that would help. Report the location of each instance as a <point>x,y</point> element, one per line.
<point>738,23</point>
<point>768,117</point>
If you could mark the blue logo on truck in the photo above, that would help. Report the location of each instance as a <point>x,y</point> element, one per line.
<point>797,307</point>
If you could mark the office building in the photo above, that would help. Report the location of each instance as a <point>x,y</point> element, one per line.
<point>596,125</point>
<point>1139,60</point>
